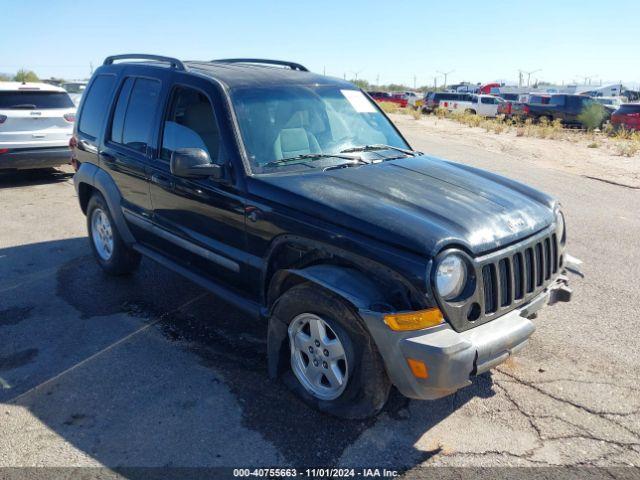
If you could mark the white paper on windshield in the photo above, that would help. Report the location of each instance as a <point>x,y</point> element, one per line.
<point>358,101</point>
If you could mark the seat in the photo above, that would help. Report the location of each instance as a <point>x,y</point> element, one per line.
<point>199,118</point>
<point>292,142</point>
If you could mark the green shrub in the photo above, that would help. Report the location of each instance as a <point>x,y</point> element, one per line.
<point>592,116</point>
<point>389,107</point>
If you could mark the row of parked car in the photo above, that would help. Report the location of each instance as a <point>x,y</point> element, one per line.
<point>564,107</point>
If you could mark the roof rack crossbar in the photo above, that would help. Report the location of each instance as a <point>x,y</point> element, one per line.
<point>264,61</point>
<point>174,62</point>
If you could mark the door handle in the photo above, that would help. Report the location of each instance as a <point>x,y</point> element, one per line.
<point>161,180</point>
<point>107,157</point>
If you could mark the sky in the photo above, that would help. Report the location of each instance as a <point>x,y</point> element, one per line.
<point>382,42</point>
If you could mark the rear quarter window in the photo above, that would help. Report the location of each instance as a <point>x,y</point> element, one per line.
<point>96,104</point>
<point>32,100</point>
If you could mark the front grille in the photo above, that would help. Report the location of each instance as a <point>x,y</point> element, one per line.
<point>518,274</point>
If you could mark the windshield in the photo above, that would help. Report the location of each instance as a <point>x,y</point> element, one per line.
<point>284,122</point>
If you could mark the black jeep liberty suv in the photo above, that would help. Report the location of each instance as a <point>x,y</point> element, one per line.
<point>295,198</point>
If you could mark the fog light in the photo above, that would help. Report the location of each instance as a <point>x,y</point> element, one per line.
<point>414,320</point>
<point>418,368</point>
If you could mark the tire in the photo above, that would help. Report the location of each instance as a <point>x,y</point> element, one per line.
<point>366,385</point>
<point>110,251</point>
<point>471,111</point>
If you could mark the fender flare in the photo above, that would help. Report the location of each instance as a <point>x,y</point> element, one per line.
<point>97,178</point>
<point>354,287</point>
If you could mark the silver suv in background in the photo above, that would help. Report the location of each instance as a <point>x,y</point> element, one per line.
<point>36,124</point>
<point>75,90</point>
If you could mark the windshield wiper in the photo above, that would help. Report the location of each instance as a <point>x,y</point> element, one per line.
<point>308,156</point>
<point>354,163</point>
<point>380,146</point>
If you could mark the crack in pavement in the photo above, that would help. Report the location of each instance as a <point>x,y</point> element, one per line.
<point>584,433</point>
<point>600,414</point>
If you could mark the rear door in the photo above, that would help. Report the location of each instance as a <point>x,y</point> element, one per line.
<point>200,221</point>
<point>35,119</point>
<point>132,129</point>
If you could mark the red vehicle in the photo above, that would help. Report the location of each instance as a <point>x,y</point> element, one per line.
<point>627,116</point>
<point>388,97</point>
<point>400,99</point>
<point>486,89</point>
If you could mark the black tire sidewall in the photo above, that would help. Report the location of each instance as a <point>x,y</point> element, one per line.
<point>368,385</point>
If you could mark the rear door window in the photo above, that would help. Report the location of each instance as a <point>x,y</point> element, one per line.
<point>31,100</point>
<point>95,105</point>
<point>121,109</point>
<point>135,111</point>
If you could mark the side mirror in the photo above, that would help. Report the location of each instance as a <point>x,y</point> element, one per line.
<point>194,163</point>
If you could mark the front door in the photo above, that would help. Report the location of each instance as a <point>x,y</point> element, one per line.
<point>201,221</point>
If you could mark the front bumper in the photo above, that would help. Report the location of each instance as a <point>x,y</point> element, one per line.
<point>451,357</point>
<point>35,158</point>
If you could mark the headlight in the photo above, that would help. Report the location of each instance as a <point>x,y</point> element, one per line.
<point>451,276</point>
<point>560,226</point>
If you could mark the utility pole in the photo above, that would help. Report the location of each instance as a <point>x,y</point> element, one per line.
<point>324,70</point>
<point>529,75</point>
<point>445,74</point>
<point>91,68</point>
<point>357,73</point>
<point>378,79</point>
<point>414,82</point>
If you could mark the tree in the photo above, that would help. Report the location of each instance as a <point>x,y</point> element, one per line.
<point>363,84</point>
<point>5,77</point>
<point>25,76</point>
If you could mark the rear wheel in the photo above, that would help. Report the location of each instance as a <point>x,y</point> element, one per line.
<point>113,255</point>
<point>334,364</point>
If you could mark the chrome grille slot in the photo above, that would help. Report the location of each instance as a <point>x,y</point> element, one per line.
<point>529,269</point>
<point>518,276</point>
<point>547,259</point>
<point>554,253</point>
<point>539,263</point>
<point>489,282</point>
<point>504,278</point>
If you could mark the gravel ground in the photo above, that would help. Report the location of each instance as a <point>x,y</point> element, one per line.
<point>153,371</point>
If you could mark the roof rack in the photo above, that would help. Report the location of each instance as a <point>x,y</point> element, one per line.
<point>264,61</point>
<point>173,62</point>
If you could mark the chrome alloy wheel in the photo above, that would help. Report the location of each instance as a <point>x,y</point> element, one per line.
<point>318,359</point>
<point>102,234</point>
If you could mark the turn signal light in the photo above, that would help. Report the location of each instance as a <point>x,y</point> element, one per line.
<point>414,320</point>
<point>418,368</point>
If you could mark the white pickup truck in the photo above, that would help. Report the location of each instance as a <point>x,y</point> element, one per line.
<point>483,105</point>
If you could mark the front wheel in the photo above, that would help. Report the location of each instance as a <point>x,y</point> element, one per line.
<point>334,364</point>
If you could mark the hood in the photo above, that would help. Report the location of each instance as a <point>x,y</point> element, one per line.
<point>420,203</point>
